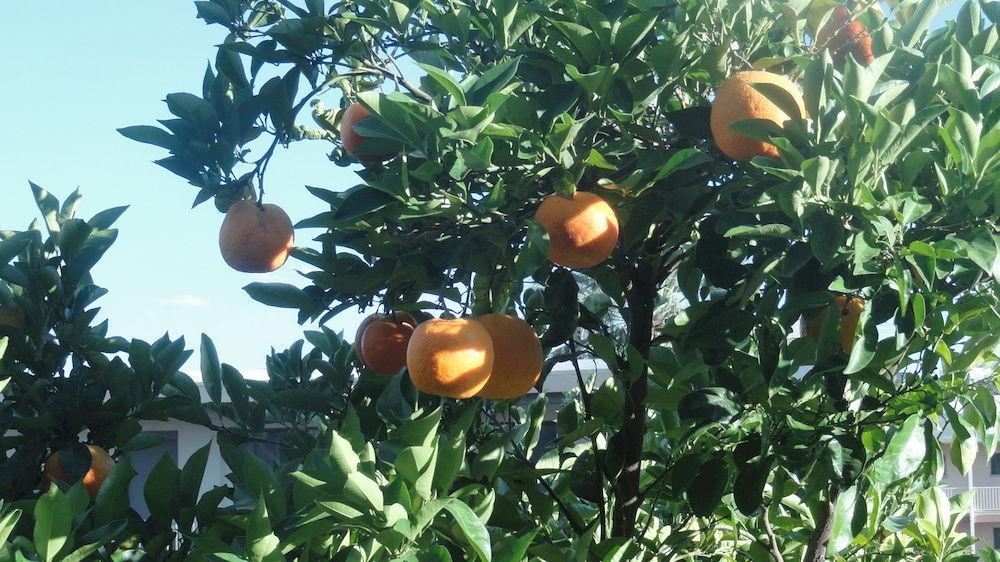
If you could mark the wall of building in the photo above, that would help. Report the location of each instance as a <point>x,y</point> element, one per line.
<point>981,471</point>
<point>987,516</point>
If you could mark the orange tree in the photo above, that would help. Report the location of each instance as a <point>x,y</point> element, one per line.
<point>865,195</point>
<point>74,397</point>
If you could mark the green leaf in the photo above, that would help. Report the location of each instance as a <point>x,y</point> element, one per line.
<point>416,466</point>
<point>192,475</point>
<point>106,218</point>
<point>631,32</point>
<point>492,81</point>
<point>782,98</point>
<point>748,490</point>
<point>472,528</point>
<point>342,455</point>
<point>705,492</point>
<point>711,404</point>
<point>11,247</point>
<point>53,519</point>
<point>906,450</point>
<point>150,135</point>
<point>826,236</point>
<point>105,534</point>
<point>236,388</point>
<point>584,40</point>
<point>446,81</point>
<point>363,492</point>
<point>761,231</point>
<point>922,17</point>
<point>112,501</point>
<point>420,431</point>
<point>864,347</point>
<point>7,523</point>
<point>516,550</point>
<point>597,160</point>
<point>843,513</point>
<point>280,295</point>
<point>49,207</point>
<point>160,491</point>
<point>682,160</point>
<point>211,370</point>
<point>361,201</point>
<point>562,304</point>
<point>263,545</point>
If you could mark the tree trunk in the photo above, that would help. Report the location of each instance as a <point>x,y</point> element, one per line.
<point>816,549</point>
<point>641,296</point>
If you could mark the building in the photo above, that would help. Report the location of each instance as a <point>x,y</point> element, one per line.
<point>983,519</point>
<point>182,439</point>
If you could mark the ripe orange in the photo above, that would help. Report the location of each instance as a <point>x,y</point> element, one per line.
<point>736,99</point>
<point>100,466</point>
<point>583,230</point>
<point>845,36</point>
<point>256,239</point>
<point>517,353</point>
<point>850,314</point>
<point>399,315</point>
<point>450,358</point>
<point>383,345</point>
<point>351,139</point>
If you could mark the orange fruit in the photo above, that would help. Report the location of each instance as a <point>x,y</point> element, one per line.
<point>100,466</point>
<point>451,358</point>
<point>351,139</point>
<point>735,100</point>
<point>400,316</point>
<point>383,345</point>
<point>256,239</point>
<point>844,36</point>
<point>582,229</point>
<point>850,314</point>
<point>517,357</point>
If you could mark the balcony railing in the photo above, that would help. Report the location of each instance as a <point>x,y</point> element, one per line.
<point>986,500</point>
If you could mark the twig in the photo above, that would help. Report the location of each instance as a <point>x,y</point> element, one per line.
<point>602,472</point>
<point>570,515</point>
<point>771,539</point>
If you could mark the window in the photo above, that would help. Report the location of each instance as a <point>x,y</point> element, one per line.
<point>996,537</point>
<point>995,465</point>
<point>547,439</point>
<point>269,449</point>
<point>143,461</point>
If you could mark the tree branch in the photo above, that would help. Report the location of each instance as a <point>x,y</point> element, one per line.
<point>816,549</point>
<point>771,539</point>
<point>641,296</point>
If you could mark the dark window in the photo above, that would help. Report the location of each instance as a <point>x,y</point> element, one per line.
<point>995,465</point>
<point>143,461</point>
<point>547,439</point>
<point>996,537</point>
<point>269,449</point>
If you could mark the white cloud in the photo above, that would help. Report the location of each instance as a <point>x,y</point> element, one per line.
<point>183,300</point>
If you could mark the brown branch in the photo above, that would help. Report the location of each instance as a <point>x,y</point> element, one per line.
<point>771,539</point>
<point>598,461</point>
<point>816,549</point>
<point>641,296</point>
<point>571,516</point>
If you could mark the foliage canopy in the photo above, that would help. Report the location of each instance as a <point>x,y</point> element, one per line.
<point>724,432</point>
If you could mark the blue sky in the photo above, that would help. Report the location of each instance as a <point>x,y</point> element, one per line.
<point>72,76</point>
